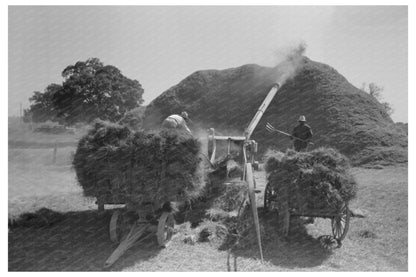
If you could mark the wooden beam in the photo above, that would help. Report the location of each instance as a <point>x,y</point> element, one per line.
<point>252,196</point>
<point>232,138</point>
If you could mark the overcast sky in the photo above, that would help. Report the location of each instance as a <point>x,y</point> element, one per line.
<point>160,46</point>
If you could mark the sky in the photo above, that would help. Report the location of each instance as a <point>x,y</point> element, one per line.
<point>160,46</point>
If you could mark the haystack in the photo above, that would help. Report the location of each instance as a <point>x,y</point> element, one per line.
<point>341,115</point>
<point>113,162</point>
<point>312,180</point>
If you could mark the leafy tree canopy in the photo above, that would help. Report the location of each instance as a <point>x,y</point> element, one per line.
<point>42,108</point>
<point>90,90</point>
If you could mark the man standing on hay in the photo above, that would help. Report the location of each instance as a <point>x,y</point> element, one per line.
<point>176,121</point>
<point>301,134</point>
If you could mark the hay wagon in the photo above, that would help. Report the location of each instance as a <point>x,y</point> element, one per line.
<point>146,212</point>
<point>144,173</point>
<point>136,222</point>
<point>139,217</point>
<point>296,205</point>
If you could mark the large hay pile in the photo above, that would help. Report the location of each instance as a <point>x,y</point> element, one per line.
<point>312,180</point>
<point>112,161</point>
<point>341,115</point>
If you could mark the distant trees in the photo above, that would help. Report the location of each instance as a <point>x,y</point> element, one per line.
<point>42,107</point>
<point>376,91</point>
<point>90,90</point>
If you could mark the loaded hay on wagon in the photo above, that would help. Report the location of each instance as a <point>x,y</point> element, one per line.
<point>311,184</point>
<point>312,180</point>
<point>112,162</point>
<point>145,171</point>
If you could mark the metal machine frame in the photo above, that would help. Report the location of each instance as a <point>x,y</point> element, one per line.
<point>249,149</point>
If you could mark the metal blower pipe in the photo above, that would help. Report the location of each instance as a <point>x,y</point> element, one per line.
<point>263,107</point>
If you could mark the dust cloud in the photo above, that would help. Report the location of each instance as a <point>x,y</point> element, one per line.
<point>289,61</point>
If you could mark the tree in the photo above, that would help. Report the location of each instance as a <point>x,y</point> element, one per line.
<point>387,107</point>
<point>376,91</point>
<point>42,107</point>
<point>91,90</point>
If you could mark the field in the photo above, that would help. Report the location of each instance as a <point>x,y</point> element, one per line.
<point>35,178</point>
<point>80,241</point>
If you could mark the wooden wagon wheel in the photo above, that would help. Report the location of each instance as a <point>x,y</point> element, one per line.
<point>341,223</point>
<point>119,226</point>
<point>115,226</point>
<point>165,228</point>
<point>270,196</point>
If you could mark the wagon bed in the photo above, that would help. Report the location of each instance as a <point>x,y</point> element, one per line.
<point>340,216</point>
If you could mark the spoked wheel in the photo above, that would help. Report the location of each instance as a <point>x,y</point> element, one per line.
<point>341,223</point>
<point>165,228</point>
<point>243,222</point>
<point>270,196</point>
<point>116,226</point>
<point>120,224</point>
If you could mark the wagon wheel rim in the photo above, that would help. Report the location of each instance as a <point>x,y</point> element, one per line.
<point>340,224</point>
<point>267,195</point>
<point>115,226</point>
<point>270,197</point>
<point>118,228</point>
<point>243,209</point>
<point>165,228</point>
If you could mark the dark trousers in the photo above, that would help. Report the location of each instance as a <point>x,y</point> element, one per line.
<point>300,146</point>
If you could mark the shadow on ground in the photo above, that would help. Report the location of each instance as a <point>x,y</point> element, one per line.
<point>78,241</point>
<point>296,251</point>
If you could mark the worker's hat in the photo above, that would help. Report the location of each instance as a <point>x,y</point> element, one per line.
<point>184,115</point>
<point>302,118</point>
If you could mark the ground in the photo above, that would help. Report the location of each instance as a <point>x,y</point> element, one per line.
<point>80,242</point>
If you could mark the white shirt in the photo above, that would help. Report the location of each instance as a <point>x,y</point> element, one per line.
<point>180,121</point>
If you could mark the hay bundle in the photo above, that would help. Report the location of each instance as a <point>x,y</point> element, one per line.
<point>41,218</point>
<point>232,195</point>
<point>311,180</point>
<point>137,167</point>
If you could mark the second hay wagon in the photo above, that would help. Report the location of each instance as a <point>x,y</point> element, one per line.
<point>279,200</point>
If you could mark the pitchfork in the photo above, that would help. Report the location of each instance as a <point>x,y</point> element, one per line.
<point>271,129</point>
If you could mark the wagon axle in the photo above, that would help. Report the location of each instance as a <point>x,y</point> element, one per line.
<point>128,231</point>
<point>340,217</point>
